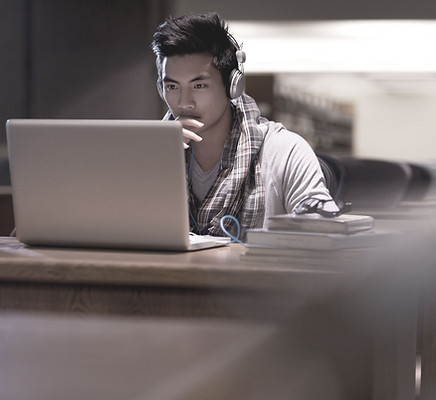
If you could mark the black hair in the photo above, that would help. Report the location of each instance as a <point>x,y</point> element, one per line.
<point>196,33</point>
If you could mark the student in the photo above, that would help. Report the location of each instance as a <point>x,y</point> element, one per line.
<point>238,163</point>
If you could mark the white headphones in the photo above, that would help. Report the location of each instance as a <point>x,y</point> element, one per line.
<point>237,77</point>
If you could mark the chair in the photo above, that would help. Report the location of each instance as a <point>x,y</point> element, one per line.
<point>419,184</point>
<point>5,175</point>
<point>333,173</point>
<point>431,190</point>
<point>372,183</point>
<point>7,221</point>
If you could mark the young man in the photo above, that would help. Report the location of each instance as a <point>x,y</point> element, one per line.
<point>238,163</point>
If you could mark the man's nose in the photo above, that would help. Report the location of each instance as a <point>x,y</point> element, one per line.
<point>186,100</point>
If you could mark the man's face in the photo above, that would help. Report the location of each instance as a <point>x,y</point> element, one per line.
<point>193,88</point>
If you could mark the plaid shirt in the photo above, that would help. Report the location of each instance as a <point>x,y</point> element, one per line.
<point>238,190</point>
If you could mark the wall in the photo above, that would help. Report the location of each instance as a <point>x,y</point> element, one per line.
<point>78,59</point>
<point>13,71</point>
<point>396,127</point>
<point>92,59</point>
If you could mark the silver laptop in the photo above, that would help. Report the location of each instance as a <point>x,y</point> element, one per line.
<point>101,183</point>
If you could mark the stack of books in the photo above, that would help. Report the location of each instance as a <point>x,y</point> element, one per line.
<point>316,239</point>
<point>344,223</point>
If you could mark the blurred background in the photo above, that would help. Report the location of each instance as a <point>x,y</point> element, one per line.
<point>354,78</point>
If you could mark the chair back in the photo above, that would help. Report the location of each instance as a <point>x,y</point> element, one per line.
<point>5,176</point>
<point>419,184</point>
<point>372,183</point>
<point>333,173</point>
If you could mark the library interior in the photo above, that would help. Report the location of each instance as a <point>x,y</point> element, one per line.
<point>313,305</point>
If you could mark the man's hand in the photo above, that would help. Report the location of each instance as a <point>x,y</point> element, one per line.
<point>188,135</point>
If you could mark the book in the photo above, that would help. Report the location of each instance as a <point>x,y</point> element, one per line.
<point>298,253</point>
<point>331,262</point>
<point>297,258</point>
<point>317,240</point>
<point>344,223</point>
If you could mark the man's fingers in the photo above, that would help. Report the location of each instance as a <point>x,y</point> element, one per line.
<point>188,122</point>
<point>189,135</point>
<point>188,125</point>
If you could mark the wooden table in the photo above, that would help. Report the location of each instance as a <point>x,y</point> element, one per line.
<point>207,283</point>
<point>350,324</point>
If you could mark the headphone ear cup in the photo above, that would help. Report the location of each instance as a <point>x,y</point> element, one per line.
<point>236,83</point>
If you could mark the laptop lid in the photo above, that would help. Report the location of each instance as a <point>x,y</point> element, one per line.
<point>99,183</point>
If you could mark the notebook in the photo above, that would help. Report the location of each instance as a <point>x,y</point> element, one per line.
<point>101,183</point>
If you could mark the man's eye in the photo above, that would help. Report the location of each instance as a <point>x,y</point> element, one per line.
<point>200,86</point>
<point>170,87</point>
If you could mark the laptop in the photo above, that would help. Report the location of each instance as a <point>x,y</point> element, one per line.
<point>101,183</point>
